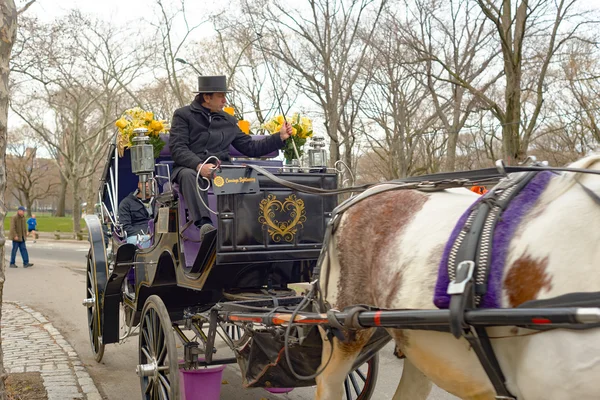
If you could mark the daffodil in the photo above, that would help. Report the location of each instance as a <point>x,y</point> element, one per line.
<point>121,123</point>
<point>279,120</point>
<point>156,126</point>
<point>244,126</point>
<point>134,118</point>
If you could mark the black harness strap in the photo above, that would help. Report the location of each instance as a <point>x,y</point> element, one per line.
<point>469,264</point>
<point>589,192</point>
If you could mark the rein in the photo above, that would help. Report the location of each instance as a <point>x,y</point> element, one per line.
<point>432,182</point>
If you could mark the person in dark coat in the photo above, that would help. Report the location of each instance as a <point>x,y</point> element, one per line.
<point>134,213</point>
<point>201,130</point>
<point>18,233</point>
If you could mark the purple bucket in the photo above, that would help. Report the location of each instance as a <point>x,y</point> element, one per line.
<point>201,384</point>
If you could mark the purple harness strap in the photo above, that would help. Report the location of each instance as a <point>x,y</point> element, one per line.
<point>503,233</point>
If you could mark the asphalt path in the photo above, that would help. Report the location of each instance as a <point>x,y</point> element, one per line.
<point>55,286</point>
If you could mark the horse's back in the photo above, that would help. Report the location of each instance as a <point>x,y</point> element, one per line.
<point>389,246</point>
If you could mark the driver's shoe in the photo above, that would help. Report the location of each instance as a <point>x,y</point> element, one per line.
<point>205,229</point>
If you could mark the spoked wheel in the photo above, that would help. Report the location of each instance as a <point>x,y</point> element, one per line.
<point>158,369</point>
<point>92,303</point>
<point>360,383</point>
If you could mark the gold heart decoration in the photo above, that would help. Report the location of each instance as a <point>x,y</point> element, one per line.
<point>285,230</point>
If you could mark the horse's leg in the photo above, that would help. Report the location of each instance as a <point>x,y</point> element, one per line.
<point>330,383</point>
<point>414,385</point>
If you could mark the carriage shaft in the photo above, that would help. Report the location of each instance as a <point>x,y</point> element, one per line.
<point>567,318</point>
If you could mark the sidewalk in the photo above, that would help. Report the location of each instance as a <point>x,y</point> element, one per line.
<point>31,344</point>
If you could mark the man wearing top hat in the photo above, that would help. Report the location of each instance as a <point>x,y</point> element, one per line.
<point>201,130</point>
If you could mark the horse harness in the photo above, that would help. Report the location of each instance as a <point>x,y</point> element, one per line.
<point>470,255</point>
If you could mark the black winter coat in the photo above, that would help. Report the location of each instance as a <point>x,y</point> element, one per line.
<point>133,215</point>
<point>196,134</point>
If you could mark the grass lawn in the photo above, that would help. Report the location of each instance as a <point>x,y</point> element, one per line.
<point>47,223</point>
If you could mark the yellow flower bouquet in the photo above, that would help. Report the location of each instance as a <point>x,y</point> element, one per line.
<point>242,123</point>
<point>137,118</point>
<point>301,131</point>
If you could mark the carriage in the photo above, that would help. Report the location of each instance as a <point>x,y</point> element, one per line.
<point>267,237</point>
<point>272,224</point>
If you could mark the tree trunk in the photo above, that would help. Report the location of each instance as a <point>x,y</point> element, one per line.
<point>76,209</point>
<point>348,161</point>
<point>511,139</point>
<point>8,33</point>
<point>451,152</point>
<point>28,205</point>
<point>62,196</point>
<point>91,196</point>
<point>334,153</point>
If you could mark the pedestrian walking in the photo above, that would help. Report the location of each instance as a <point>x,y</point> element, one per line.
<point>31,226</point>
<point>18,233</point>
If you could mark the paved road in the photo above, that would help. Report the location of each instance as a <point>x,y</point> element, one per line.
<point>55,286</point>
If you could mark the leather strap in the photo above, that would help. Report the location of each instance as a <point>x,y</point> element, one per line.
<point>439,181</point>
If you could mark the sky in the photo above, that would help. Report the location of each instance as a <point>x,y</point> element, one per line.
<point>125,10</point>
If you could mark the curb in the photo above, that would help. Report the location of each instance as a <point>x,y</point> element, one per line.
<point>51,240</point>
<point>55,374</point>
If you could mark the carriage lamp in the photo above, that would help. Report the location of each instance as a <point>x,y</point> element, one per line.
<point>142,157</point>
<point>317,156</point>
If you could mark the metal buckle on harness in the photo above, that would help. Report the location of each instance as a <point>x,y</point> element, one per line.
<point>464,274</point>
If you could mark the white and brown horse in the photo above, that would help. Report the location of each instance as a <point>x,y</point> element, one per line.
<point>386,253</point>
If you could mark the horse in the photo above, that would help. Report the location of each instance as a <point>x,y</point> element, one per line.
<point>386,252</point>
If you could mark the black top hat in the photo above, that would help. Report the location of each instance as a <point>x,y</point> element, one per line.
<point>212,84</point>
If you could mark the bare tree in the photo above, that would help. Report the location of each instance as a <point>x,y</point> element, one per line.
<point>28,177</point>
<point>327,47</point>
<point>82,101</point>
<point>581,71</point>
<point>171,46</point>
<point>456,32</point>
<point>8,34</point>
<point>529,34</point>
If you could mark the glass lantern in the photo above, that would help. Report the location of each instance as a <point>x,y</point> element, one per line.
<point>317,156</point>
<point>142,157</point>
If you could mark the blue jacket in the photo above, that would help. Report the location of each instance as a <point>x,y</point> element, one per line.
<point>31,223</point>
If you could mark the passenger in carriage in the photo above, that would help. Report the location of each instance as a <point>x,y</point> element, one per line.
<point>201,130</point>
<point>135,211</point>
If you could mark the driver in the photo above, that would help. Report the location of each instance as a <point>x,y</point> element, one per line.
<point>201,130</point>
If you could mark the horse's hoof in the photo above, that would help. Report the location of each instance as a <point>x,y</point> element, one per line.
<point>398,353</point>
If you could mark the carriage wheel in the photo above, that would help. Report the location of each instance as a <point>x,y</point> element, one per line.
<point>92,303</point>
<point>360,383</point>
<point>158,369</point>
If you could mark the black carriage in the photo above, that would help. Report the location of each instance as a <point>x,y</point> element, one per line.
<point>268,236</point>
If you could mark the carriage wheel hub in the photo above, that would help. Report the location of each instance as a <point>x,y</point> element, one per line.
<point>89,303</point>
<point>146,370</point>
